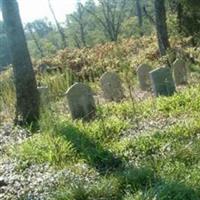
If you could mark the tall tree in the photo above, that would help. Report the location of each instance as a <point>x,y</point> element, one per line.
<point>42,27</point>
<point>161,26</point>
<point>139,15</point>
<point>188,14</point>
<point>112,15</point>
<point>5,58</point>
<point>78,16</point>
<point>60,29</point>
<point>37,44</point>
<point>27,104</point>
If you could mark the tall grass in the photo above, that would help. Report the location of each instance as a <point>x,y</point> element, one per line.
<point>7,96</point>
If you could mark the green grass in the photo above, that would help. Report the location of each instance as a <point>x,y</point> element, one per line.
<point>7,96</point>
<point>152,164</point>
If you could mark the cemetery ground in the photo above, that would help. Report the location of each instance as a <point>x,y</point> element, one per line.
<point>140,148</point>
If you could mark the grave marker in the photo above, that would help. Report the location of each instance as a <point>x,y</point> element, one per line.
<point>111,86</point>
<point>81,102</point>
<point>162,81</point>
<point>180,72</point>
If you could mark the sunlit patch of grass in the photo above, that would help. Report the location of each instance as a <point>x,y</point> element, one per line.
<point>46,148</point>
<point>97,140</point>
<point>108,187</point>
<point>62,137</point>
<point>186,100</point>
<point>173,154</point>
<point>164,191</point>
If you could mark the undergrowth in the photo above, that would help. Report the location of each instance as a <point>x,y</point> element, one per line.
<point>154,164</point>
<point>132,157</point>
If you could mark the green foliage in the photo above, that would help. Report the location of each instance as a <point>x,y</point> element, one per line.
<point>46,148</point>
<point>188,18</point>
<point>61,138</point>
<point>153,165</point>
<point>105,188</point>
<point>7,95</point>
<point>175,191</point>
<point>85,30</point>
<point>133,157</point>
<point>42,27</point>
<point>165,191</point>
<point>138,178</point>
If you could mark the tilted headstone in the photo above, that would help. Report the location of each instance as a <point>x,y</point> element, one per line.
<point>44,94</point>
<point>143,76</point>
<point>111,86</point>
<point>43,68</point>
<point>180,72</point>
<point>162,81</point>
<point>81,102</point>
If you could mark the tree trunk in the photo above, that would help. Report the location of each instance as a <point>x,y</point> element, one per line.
<point>27,104</point>
<point>60,30</point>
<point>139,15</point>
<point>79,18</point>
<point>161,26</point>
<point>179,16</point>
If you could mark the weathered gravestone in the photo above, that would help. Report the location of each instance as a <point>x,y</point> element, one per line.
<point>81,102</point>
<point>111,86</point>
<point>44,94</point>
<point>180,72</point>
<point>162,81</point>
<point>143,76</point>
<point>42,68</point>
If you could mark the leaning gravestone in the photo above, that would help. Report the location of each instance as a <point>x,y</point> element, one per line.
<point>42,68</point>
<point>81,102</point>
<point>111,86</point>
<point>162,81</point>
<point>143,76</point>
<point>180,72</point>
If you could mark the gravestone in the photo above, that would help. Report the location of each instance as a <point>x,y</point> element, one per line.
<point>81,102</point>
<point>143,76</point>
<point>42,68</point>
<point>44,94</point>
<point>162,81</point>
<point>180,72</point>
<point>111,86</point>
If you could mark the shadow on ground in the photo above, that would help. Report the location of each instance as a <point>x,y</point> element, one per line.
<point>142,180</point>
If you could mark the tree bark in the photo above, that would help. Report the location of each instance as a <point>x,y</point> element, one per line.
<point>179,16</point>
<point>161,26</point>
<point>27,102</point>
<point>140,17</point>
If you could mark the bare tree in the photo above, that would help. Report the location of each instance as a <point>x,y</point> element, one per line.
<point>60,29</point>
<point>77,41</point>
<point>27,105</point>
<point>114,13</point>
<point>78,17</point>
<point>161,26</point>
<point>150,18</point>
<point>29,28</point>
